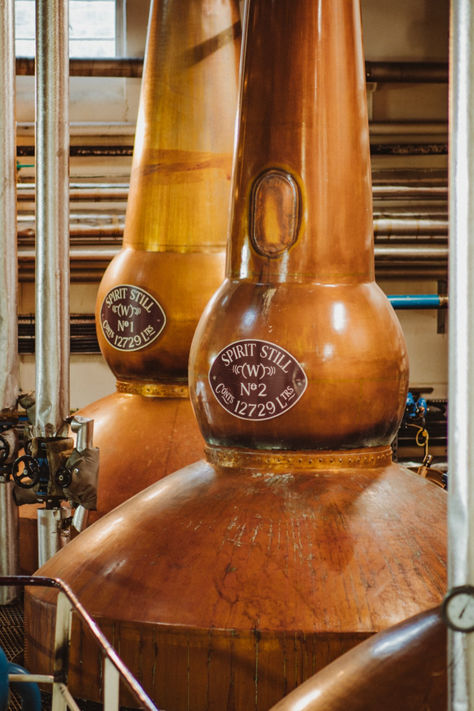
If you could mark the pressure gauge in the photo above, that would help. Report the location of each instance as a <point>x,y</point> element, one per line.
<point>458,608</point>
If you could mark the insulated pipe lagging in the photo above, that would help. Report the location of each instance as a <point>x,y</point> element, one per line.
<point>8,240</point>
<point>461,344</point>
<point>8,286</point>
<point>52,217</point>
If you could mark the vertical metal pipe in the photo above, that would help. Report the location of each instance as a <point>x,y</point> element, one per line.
<point>461,342</point>
<point>52,216</point>
<point>8,285</point>
<point>8,540</point>
<point>8,248</point>
<point>49,534</point>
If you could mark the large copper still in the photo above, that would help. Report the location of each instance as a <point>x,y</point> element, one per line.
<point>231,581</point>
<point>172,260</point>
<point>402,667</point>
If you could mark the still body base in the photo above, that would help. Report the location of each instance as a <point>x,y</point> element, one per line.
<point>231,581</point>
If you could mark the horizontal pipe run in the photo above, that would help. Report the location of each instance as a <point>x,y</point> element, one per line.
<point>86,151</point>
<point>418,226</point>
<point>100,128</point>
<point>408,128</point>
<point>127,128</point>
<point>119,191</point>
<point>77,253</point>
<point>405,252</point>
<point>33,678</point>
<point>131,67</point>
<point>412,252</point>
<point>121,67</point>
<point>92,273</point>
<point>82,194</point>
<point>418,301</point>
<point>383,228</point>
<point>409,149</point>
<point>407,72</point>
<point>378,149</point>
<point>437,192</point>
<point>85,231</point>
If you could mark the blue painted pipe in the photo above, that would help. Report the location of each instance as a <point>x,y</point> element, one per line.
<point>3,681</point>
<point>29,691</point>
<point>418,301</point>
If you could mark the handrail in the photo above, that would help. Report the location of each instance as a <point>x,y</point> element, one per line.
<point>113,665</point>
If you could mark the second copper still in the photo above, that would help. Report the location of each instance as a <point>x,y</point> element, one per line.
<point>172,259</point>
<point>228,583</point>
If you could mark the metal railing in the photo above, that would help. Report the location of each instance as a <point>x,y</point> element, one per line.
<point>113,670</point>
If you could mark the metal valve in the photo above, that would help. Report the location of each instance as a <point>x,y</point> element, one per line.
<point>83,427</point>
<point>29,476</point>
<point>4,450</point>
<point>63,476</point>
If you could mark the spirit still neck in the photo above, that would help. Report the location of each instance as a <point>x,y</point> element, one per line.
<point>179,188</point>
<point>302,185</point>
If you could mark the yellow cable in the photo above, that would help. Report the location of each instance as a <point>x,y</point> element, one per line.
<point>424,432</point>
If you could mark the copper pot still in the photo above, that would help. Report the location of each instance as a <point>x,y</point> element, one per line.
<point>172,260</point>
<point>402,667</point>
<point>231,581</point>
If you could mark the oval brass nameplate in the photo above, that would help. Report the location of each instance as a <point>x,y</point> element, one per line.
<point>256,380</point>
<point>131,318</point>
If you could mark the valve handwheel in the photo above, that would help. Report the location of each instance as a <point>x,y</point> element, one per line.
<point>30,475</point>
<point>63,477</point>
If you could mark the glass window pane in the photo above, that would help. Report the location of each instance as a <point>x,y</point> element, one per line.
<point>24,18</point>
<point>92,48</point>
<point>25,48</point>
<point>91,28</point>
<point>92,19</point>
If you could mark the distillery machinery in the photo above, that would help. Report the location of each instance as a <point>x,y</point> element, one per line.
<point>229,582</point>
<point>172,259</point>
<point>8,311</point>
<point>52,468</point>
<point>156,288</point>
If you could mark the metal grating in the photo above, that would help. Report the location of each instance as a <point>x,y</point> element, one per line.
<point>11,631</point>
<point>12,641</point>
